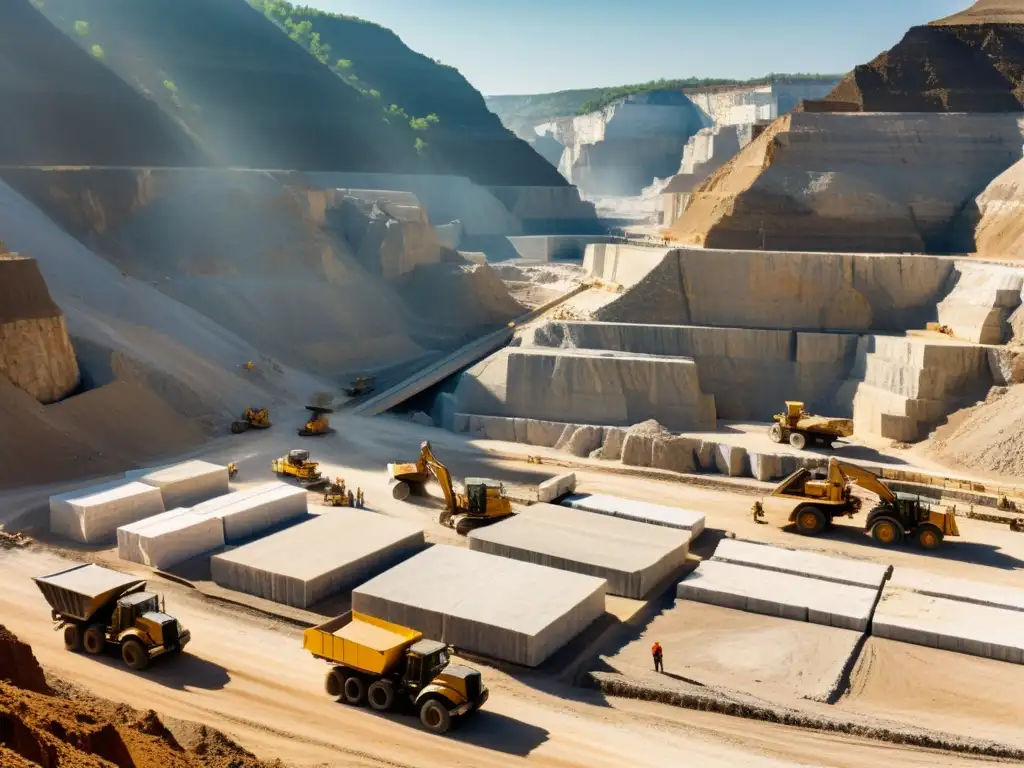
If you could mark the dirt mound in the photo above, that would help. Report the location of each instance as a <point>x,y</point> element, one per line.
<point>48,83</point>
<point>988,12</point>
<point>952,67</point>
<point>987,437</point>
<point>18,665</point>
<point>76,730</point>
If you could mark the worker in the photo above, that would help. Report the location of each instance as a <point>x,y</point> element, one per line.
<point>656,652</point>
<point>351,499</point>
<point>360,500</point>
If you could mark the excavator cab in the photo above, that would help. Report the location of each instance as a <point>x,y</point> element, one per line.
<point>478,491</point>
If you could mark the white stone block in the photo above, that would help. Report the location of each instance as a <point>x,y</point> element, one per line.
<point>800,563</point>
<point>185,484</point>
<point>251,511</point>
<point>640,511</point>
<point>559,485</point>
<point>963,590</point>
<point>93,515</point>
<point>165,540</point>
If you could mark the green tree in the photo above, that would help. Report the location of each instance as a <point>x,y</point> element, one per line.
<point>170,86</point>
<point>97,51</point>
<point>421,146</point>
<point>343,64</point>
<point>81,28</point>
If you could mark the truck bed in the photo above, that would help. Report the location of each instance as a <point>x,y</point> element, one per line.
<point>359,641</point>
<point>78,592</point>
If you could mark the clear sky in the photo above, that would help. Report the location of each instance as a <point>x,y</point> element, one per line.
<point>536,46</point>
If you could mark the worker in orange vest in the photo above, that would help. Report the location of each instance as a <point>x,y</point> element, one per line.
<point>657,654</point>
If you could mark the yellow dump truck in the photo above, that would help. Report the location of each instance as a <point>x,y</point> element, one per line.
<point>379,663</point>
<point>99,608</point>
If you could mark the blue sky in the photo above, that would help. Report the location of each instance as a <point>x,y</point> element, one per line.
<point>532,46</point>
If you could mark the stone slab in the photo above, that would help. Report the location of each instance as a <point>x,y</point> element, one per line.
<point>840,570</point>
<point>506,609</point>
<point>252,511</point>
<point>952,625</point>
<point>633,557</point>
<point>93,515</point>
<point>185,484</point>
<point>559,485</point>
<point>332,552</point>
<point>779,594</point>
<point>163,541</point>
<point>963,590</point>
<point>639,511</point>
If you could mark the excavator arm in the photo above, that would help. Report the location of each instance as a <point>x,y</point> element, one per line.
<point>440,473</point>
<point>839,470</point>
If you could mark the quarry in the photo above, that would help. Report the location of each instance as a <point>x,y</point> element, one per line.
<point>733,369</point>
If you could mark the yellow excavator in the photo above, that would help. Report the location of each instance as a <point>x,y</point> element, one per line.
<point>318,424</point>
<point>811,504</point>
<point>297,464</point>
<point>252,418</point>
<point>480,503</point>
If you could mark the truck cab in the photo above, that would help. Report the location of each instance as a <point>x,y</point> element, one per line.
<point>141,615</point>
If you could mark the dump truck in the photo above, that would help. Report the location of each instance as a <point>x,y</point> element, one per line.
<point>379,663</point>
<point>481,502</point>
<point>799,428</point>
<point>811,504</point>
<point>99,608</point>
<point>298,465</point>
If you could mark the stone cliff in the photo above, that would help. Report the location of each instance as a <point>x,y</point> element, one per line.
<point>852,182</point>
<point>35,351</point>
<point>993,224</point>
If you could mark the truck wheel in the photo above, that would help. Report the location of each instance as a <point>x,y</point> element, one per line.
<point>929,536</point>
<point>775,433</point>
<point>434,716</point>
<point>73,638</point>
<point>381,695</point>
<point>810,521</point>
<point>886,531</point>
<point>797,440</point>
<point>134,654</point>
<point>93,640</point>
<point>334,683</point>
<point>355,691</point>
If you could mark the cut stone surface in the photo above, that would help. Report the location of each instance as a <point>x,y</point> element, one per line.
<point>93,515</point>
<point>800,563</point>
<point>951,625</point>
<point>633,557</point>
<point>780,594</point>
<point>502,608</point>
<point>307,562</point>
<point>639,511</point>
<point>254,510</point>
<point>559,485</point>
<point>186,484</point>
<point>963,590</point>
<point>165,540</point>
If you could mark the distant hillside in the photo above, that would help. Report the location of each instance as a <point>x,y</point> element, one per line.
<point>521,113</point>
<point>60,106</point>
<point>447,113</point>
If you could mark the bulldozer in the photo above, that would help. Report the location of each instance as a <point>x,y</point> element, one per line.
<point>799,428</point>
<point>361,385</point>
<point>318,424</point>
<point>811,503</point>
<point>482,501</point>
<point>297,464</point>
<point>252,418</point>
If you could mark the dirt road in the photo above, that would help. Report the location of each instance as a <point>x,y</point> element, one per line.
<point>249,677</point>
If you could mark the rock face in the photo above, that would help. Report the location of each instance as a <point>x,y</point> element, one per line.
<point>705,153</point>
<point>852,182</point>
<point>993,226</point>
<point>35,350</point>
<point>971,62</point>
<point>621,148</point>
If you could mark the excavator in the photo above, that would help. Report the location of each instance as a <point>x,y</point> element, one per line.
<point>297,464</point>
<point>252,418</point>
<point>811,503</point>
<point>318,424</point>
<point>481,503</point>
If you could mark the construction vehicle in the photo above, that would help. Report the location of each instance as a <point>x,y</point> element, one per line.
<point>480,503</point>
<point>812,503</point>
<point>361,385</point>
<point>800,428</point>
<point>99,608</point>
<point>297,464</point>
<point>318,424</point>
<point>379,663</point>
<point>232,469</point>
<point>252,418</point>
<point>336,494</point>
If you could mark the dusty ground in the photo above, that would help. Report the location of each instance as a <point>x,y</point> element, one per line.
<point>533,284</point>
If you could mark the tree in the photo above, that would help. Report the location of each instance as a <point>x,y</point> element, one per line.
<point>343,64</point>
<point>97,51</point>
<point>421,146</point>
<point>81,28</point>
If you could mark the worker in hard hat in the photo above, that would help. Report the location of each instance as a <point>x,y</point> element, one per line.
<point>657,653</point>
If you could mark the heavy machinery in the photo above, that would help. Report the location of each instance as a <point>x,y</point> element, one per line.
<point>379,663</point>
<point>480,503</point>
<point>318,424</point>
<point>100,608</point>
<point>336,494</point>
<point>361,385</point>
<point>252,418</point>
<point>800,428</point>
<point>297,464</point>
<point>812,503</point>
